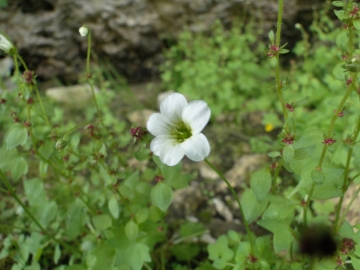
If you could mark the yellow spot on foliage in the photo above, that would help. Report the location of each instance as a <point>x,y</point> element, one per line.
<point>269,127</point>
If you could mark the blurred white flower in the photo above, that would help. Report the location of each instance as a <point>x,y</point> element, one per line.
<point>5,44</point>
<point>84,31</point>
<point>177,130</point>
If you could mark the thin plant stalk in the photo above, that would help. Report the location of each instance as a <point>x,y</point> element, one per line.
<point>247,228</point>
<point>346,175</point>
<point>13,193</point>
<point>277,68</point>
<point>333,121</point>
<point>88,75</point>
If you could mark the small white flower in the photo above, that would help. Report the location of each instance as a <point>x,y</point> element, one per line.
<point>5,44</point>
<point>84,31</point>
<point>177,130</point>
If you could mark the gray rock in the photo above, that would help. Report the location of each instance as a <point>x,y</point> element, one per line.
<point>129,32</point>
<point>77,96</point>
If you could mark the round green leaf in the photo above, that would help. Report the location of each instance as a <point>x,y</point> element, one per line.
<point>337,3</point>
<point>342,40</point>
<point>142,215</point>
<point>304,152</point>
<point>16,135</point>
<point>318,176</point>
<point>114,207</point>
<point>339,72</point>
<point>356,24</point>
<point>260,183</point>
<point>20,167</point>
<point>274,154</point>
<point>288,153</point>
<point>139,255</point>
<point>161,196</point>
<point>131,230</point>
<point>102,222</point>
<point>273,62</point>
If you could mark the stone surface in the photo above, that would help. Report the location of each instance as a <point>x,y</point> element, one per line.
<point>74,96</point>
<point>131,33</point>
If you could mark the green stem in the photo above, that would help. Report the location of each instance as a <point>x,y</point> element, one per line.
<point>346,175</point>
<point>349,205</point>
<point>73,129</point>
<point>277,69</point>
<point>248,231</point>
<point>41,105</point>
<point>88,74</point>
<point>9,187</point>
<point>88,54</point>
<point>42,229</point>
<point>329,135</point>
<point>279,22</point>
<point>308,203</point>
<point>23,62</point>
<point>16,65</point>
<point>275,176</point>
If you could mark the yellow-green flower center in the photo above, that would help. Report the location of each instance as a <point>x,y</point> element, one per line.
<point>181,132</point>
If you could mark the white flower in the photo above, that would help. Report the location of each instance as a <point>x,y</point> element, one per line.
<point>5,44</point>
<point>84,31</point>
<point>177,130</point>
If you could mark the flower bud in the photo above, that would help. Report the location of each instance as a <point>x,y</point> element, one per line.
<point>60,145</point>
<point>84,31</point>
<point>6,45</point>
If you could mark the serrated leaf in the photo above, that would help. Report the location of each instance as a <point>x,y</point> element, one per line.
<point>16,135</point>
<point>161,196</point>
<point>131,230</point>
<point>304,152</point>
<point>113,206</point>
<point>260,183</point>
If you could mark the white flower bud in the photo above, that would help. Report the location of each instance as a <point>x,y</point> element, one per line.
<point>84,31</point>
<point>298,26</point>
<point>5,44</point>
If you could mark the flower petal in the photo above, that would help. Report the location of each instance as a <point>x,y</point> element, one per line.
<point>197,147</point>
<point>197,115</point>
<point>158,143</point>
<point>169,151</point>
<point>172,106</point>
<point>157,125</point>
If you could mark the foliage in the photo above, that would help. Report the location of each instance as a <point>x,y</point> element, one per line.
<point>72,198</point>
<point>225,69</point>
